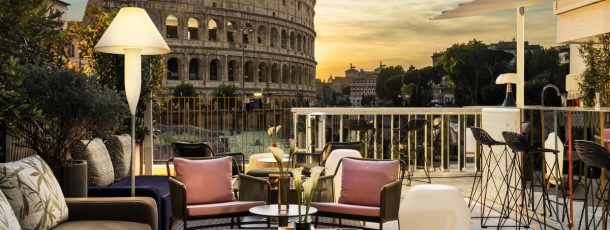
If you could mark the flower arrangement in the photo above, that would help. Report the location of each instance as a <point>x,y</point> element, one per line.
<point>305,190</point>
<point>278,155</point>
<point>273,132</point>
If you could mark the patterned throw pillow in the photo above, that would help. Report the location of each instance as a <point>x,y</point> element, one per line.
<point>119,148</point>
<point>33,192</point>
<point>99,165</point>
<point>8,220</point>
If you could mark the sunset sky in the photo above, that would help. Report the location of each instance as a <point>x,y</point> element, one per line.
<point>399,32</point>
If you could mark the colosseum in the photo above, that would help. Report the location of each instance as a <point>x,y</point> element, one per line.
<point>257,45</point>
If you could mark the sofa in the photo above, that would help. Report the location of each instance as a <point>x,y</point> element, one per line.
<point>31,198</point>
<point>108,174</point>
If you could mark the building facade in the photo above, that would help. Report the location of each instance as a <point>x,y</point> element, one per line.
<point>257,45</point>
<point>362,84</point>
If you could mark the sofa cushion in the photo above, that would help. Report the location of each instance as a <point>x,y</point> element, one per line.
<point>33,192</point>
<point>99,165</point>
<point>119,150</point>
<point>8,220</point>
<point>373,174</point>
<point>349,209</point>
<point>222,208</point>
<point>206,181</point>
<point>102,225</point>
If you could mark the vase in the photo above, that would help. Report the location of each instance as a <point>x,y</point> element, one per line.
<point>302,226</point>
<point>282,193</point>
<point>72,178</point>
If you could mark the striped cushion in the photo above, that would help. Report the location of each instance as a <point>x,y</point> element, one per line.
<point>119,149</point>
<point>99,165</point>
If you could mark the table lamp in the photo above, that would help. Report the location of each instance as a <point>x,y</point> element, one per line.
<point>508,79</point>
<point>133,34</point>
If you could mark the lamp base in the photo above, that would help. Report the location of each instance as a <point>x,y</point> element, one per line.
<point>509,101</point>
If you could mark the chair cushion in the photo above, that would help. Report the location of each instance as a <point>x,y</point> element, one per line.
<point>119,150</point>
<point>102,225</point>
<point>349,209</point>
<point>99,165</point>
<point>373,174</point>
<point>33,192</point>
<point>222,208</point>
<point>8,220</point>
<point>206,181</point>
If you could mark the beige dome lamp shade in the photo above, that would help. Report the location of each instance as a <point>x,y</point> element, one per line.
<point>133,34</point>
<point>508,79</point>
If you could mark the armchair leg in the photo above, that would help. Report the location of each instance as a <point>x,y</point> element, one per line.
<point>238,222</point>
<point>315,223</point>
<point>232,222</point>
<point>185,224</point>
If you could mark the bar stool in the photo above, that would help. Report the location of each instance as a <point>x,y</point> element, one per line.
<point>519,144</point>
<point>594,156</point>
<point>362,127</point>
<point>413,127</point>
<point>484,139</point>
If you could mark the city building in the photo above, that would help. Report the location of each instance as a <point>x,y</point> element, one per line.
<point>258,46</point>
<point>511,48</point>
<point>362,83</point>
<point>443,93</point>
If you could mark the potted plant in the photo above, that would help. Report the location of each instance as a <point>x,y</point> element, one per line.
<point>73,109</point>
<point>305,192</point>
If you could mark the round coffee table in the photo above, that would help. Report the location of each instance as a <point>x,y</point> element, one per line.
<point>271,211</point>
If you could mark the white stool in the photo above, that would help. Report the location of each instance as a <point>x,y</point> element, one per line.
<point>433,207</point>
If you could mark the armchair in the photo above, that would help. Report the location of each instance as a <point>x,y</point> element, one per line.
<point>197,150</point>
<point>361,180</point>
<point>310,160</point>
<point>202,189</point>
<point>111,213</point>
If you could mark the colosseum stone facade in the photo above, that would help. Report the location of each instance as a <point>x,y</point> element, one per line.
<point>257,45</point>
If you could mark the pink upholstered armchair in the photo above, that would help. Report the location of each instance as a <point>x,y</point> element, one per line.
<point>370,191</point>
<point>203,189</point>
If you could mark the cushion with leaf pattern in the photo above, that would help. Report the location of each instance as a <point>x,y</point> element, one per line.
<point>119,148</point>
<point>33,193</point>
<point>8,220</point>
<point>99,165</point>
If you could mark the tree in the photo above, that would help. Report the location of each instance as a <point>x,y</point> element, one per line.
<point>225,91</point>
<point>387,91</point>
<point>595,79</point>
<point>185,90</point>
<point>31,35</point>
<point>418,85</point>
<point>367,100</point>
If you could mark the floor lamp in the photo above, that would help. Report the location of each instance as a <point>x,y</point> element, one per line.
<point>133,34</point>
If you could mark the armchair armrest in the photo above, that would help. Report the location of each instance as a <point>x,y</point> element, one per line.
<point>253,189</point>
<point>239,157</point>
<point>133,209</point>
<point>177,194</point>
<point>325,192</point>
<point>390,200</point>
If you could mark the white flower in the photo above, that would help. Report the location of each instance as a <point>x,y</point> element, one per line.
<point>317,170</point>
<point>278,154</point>
<point>297,175</point>
<point>293,145</point>
<point>277,129</point>
<point>308,188</point>
<point>270,131</point>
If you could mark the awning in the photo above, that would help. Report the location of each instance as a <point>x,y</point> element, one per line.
<point>479,7</point>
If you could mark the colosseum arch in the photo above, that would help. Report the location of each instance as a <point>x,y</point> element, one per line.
<point>230,31</point>
<point>171,26</point>
<point>273,37</point>
<point>292,40</point>
<point>263,72</point>
<point>212,30</point>
<point>193,29</point>
<point>300,42</point>
<point>249,71</point>
<point>301,72</point>
<point>247,35</point>
<point>293,74</point>
<point>194,69</point>
<point>232,68</point>
<point>284,39</point>
<point>214,70</point>
<point>275,73</point>
<point>261,35</point>
<point>285,74</point>
<point>173,69</point>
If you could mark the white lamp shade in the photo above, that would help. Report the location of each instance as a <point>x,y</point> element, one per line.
<point>132,28</point>
<point>507,78</point>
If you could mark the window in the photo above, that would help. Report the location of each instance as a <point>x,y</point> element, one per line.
<point>214,70</point>
<point>194,69</point>
<point>284,39</point>
<point>263,72</point>
<point>193,29</point>
<point>249,71</point>
<point>292,40</point>
<point>171,26</point>
<point>284,2</point>
<point>275,73</point>
<point>274,37</point>
<point>212,30</point>
<point>172,69</point>
<point>261,35</point>
<point>285,74</point>
<point>232,70</point>
<point>230,31</point>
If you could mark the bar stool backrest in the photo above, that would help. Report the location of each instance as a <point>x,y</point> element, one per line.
<point>593,154</point>
<point>416,125</point>
<point>483,137</point>
<point>516,141</point>
<point>186,150</point>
